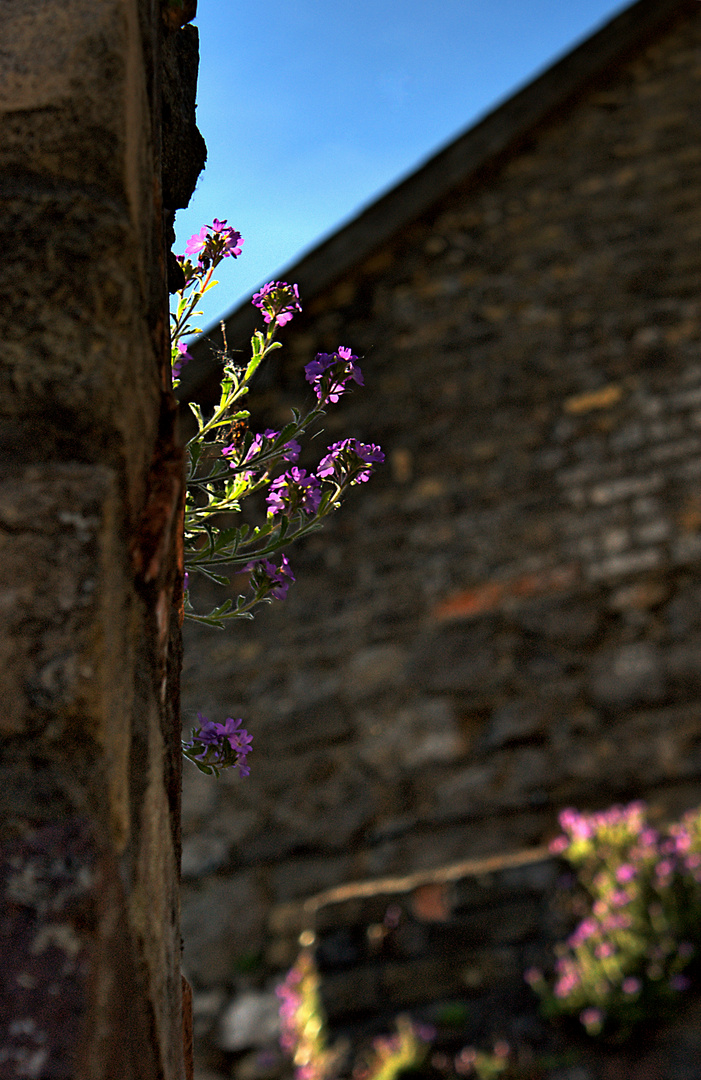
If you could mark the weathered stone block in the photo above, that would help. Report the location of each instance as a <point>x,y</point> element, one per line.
<point>73,95</point>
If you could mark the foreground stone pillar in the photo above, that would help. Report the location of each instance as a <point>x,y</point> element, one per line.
<point>90,581</point>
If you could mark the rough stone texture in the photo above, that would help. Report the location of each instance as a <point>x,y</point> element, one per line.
<point>506,619</point>
<point>90,580</point>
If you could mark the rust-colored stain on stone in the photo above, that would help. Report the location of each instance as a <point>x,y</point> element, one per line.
<point>597,399</point>
<point>430,903</point>
<point>488,597</point>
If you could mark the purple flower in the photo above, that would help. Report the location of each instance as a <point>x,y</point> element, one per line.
<point>197,242</point>
<point>290,451</point>
<point>214,242</point>
<point>592,1019</point>
<point>294,491</point>
<point>558,845</point>
<point>682,841</point>
<point>278,301</point>
<point>345,460</point>
<point>328,374</point>
<point>631,985</point>
<point>223,746</point>
<point>230,238</point>
<point>586,929</point>
<point>266,577</point>
<point>625,872</point>
<point>181,360</point>
<point>567,982</point>
<point>579,826</point>
<point>680,982</point>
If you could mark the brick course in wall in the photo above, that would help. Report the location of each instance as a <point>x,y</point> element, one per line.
<point>507,619</point>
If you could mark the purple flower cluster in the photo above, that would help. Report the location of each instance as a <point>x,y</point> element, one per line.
<point>294,491</point>
<point>219,746</point>
<point>350,461</point>
<point>328,374</point>
<point>213,243</point>
<point>290,1002</point>
<point>641,932</point>
<point>278,301</point>
<point>303,1033</point>
<point>269,579</point>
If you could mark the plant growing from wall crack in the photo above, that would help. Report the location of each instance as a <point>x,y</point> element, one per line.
<point>304,1034</point>
<point>226,463</point>
<point>637,948</point>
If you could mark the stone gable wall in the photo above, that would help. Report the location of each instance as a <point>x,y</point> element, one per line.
<point>507,619</point>
<point>91,481</point>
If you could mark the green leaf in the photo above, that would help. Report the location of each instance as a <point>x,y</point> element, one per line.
<point>197,411</point>
<point>220,580</point>
<point>217,613</point>
<point>253,366</point>
<point>287,432</point>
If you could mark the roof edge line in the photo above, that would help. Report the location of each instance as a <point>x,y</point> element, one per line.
<point>467,155</point>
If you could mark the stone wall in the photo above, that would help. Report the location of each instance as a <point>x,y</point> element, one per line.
<point>450,947</point>
<point>506,620</point>
<point>90,489</point>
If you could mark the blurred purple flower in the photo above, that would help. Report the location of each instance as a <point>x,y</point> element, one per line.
<point>586,929</point>
<point>592,1019</point>
<point>558,845</point>
<point>181,360</point>
<point>566,984</point>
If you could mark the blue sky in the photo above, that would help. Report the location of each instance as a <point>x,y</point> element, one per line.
<point>312,108</point>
